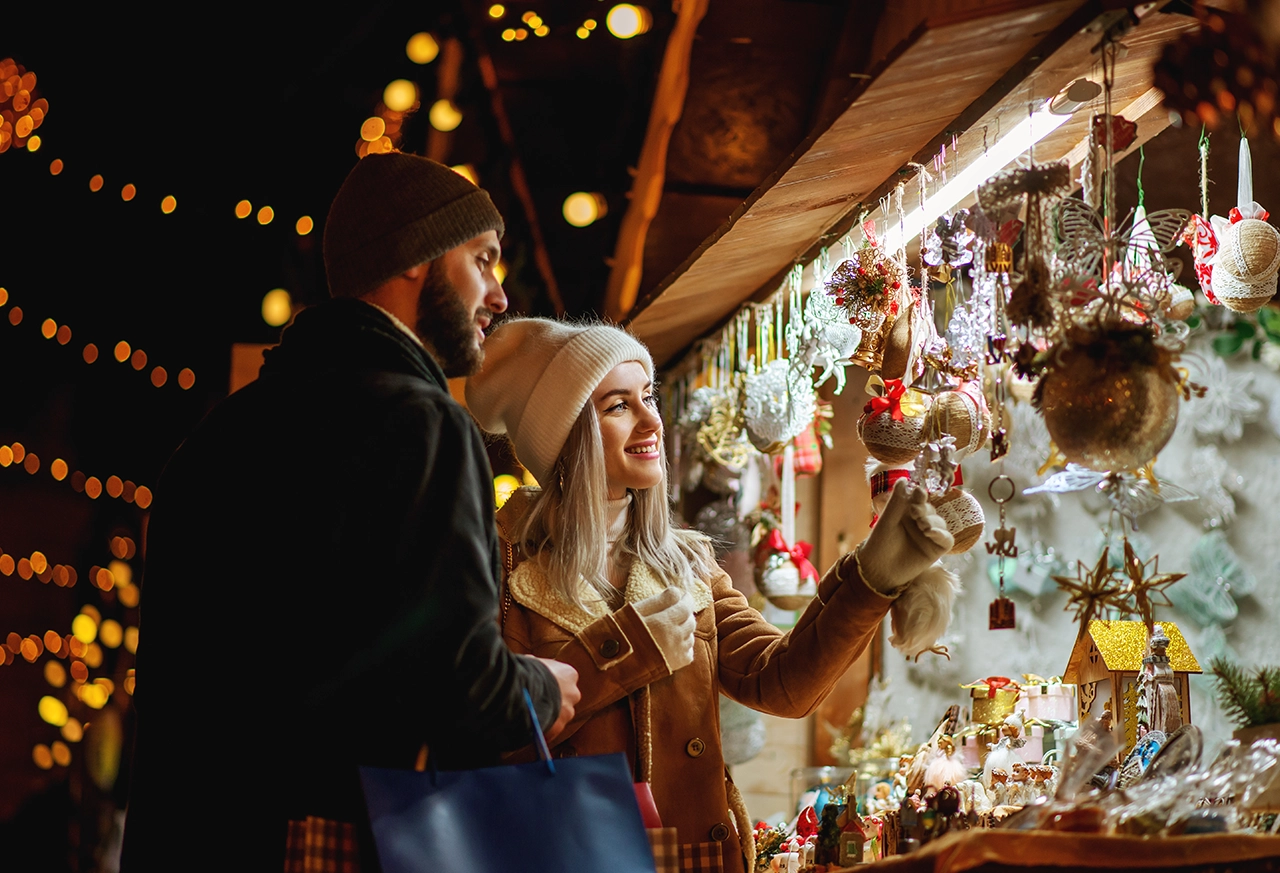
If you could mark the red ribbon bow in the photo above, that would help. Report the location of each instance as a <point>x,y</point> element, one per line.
<point>1235,215</point>
<point>891,402</point>
<point>799,554</point>
<point>996,683</point>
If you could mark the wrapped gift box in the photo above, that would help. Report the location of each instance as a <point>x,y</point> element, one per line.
<point>1048,702</point>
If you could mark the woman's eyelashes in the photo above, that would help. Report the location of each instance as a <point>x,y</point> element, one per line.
<point>650,400</point>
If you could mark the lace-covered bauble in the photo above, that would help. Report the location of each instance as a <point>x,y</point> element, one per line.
<point>892,441</point>
<point>779,405</point>
<point>779,581</point>
<point>1246,266</point>
<point>964,517</point>
<point>961,414</point>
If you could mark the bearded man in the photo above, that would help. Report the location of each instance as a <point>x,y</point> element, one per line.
<point>322,571</point>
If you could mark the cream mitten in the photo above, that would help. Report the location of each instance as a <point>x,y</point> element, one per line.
<point>905,542</point>
<point>669,619</point>
<point>922,612</point>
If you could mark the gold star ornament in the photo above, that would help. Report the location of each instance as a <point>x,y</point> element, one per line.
<point>1091,590</point>
<point>1140,593</point>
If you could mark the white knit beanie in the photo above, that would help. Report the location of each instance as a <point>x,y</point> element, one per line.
<point>537,376</point>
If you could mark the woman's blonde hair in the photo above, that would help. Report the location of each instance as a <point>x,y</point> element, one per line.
<point>566,530</point>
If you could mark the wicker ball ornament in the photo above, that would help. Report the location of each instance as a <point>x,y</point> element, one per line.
<point>1107,416</point>
<point>895,441</point>
<point>1247,264</point>
<point>1181,303</point>
<point>964,517</point>
<point>961,414</point>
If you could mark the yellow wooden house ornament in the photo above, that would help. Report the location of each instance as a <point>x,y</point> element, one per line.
<point>1105,664</point>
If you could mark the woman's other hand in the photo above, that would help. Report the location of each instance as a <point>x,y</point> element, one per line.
<point>669,619</point>
<point>905,542</point>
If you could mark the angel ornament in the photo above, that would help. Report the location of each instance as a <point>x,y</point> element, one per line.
<point>1003,755</point>
<point>945,769</point>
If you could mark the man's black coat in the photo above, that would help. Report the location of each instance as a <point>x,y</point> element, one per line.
<point>320,592</point>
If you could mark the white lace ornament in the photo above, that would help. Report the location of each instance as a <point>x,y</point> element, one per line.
<point>780,403</point>
<point>1227,402</point>
<point>964,517</point>
<point>1246,266</point>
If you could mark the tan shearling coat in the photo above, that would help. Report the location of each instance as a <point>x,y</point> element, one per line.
<point>736,652</point>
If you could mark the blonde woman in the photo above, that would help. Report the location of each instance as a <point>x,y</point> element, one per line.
<point>655,629</point>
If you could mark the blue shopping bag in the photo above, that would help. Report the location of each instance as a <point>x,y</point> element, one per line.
<point>572,814</point>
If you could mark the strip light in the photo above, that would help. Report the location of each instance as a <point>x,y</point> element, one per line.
<point>1020,139</point>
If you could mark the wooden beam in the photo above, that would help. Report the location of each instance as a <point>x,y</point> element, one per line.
<point>646,190</point>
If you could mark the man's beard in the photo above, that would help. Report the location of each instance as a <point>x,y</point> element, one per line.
<point>448,328</point>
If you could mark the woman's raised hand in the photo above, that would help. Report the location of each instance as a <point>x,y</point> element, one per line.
<point>905,542</point>
<point>669,619</point>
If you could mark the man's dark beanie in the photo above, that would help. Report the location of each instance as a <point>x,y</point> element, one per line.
<point>395,211</point>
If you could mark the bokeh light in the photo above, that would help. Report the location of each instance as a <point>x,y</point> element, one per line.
<point>73,731</point>
<point>265,215</point>
<point>122,351</point>
<point>42,756</point>
<point>128,192</point>
<point>497,10</point>
<point>582,208</point>
<point>444,116</point>
<point>304,225</point>
<point>48,328</point>
<point>111,633</point>
<point>400,95</point>
<point>422,48</point>
<point>372,129</point>
<point>627,20</point>
<point>84,628</point>
<point>58,469</point>
<point>186,378</point>
<point>277,307</point>
<point>244,209</point>
<point>55,674</point>
<point>55,166</point>
<point>467,172</point>
<point>61,754</point>
<point>95,183</point>
<point>168,204</point>
<point>504,486</point>
<point>53,711</point>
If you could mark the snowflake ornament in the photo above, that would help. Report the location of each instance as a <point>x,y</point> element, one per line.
<point>1217,577</point>
<point>1227,402</point>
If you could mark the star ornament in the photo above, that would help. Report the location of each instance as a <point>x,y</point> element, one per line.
<point>1091,590</point>
<point>1141,593</point>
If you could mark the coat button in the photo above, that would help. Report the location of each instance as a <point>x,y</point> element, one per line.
<point>610,648</point>
<point>694,749</point>
<point>720,832</point>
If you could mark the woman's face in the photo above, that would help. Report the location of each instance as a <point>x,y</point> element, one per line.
<point>630,429</point>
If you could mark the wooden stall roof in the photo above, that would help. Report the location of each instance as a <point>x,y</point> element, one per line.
<point>942,68</point>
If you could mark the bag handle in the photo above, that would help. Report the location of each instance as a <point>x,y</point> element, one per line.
<point>540,739</point>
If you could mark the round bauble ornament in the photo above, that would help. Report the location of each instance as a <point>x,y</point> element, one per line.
<point>1181,303</point>
<point>963,415</point>
<point>892,427</point>
<point>1110,399</point>
<point>898,346</point>
<point>778,579</point>
<point>1245,268</point>
<point>964,517</point>
<point>779,404</point>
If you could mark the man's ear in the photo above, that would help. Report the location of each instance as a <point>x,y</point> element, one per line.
<point>417,271</point>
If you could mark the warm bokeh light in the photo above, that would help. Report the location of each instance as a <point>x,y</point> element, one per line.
<point>128,192</point>
<point>55,166</point>
<point>33,144</point>
<point>142,497</point>
<point>583,33</point>
<point>39,563</point>
<point>93,487</point>
<point>58,469</point>
<point>422,48</point>
<point>400,95</point>
<point>168,204</point>
<point>104,579</point>
<point>31,463</point>
<point>521,34</point>
<point>93,695</point>
<point>4,296</point>
<point>581,208</point>
<point>509,34</point>
<point>53,710</point>
<point>265,215</point>
<point>444,116</point>
<point>531,18</point>
<point>304,225</point>
<point>93,655</point>
<point>55,674</point>
<point>277,307</point>
<point>121,572</point>
<point>61,754</point>
<point>64,335</point>
<point>500,272</point>
<point>589,24</point>
<point>497,10</point>
<point>79,672</point>
<point>159,377</point>
<point>122,351</point>
<point>128,595</point>
<point>503,487</point>
<point>84,628</point>
<point>131,639</point>
<point>6,456</point>
<point>528,479</point>
<point>49,328</point>
<point>19,452</point>
<point>244,209</point>
<point>77,649</point>
<point>42,756</point>
<point>115,487</point>
<point>467,172</point>
<point>52,641</point>
<point>373,128</point>
<point>541,30</point>
<point>29,649</point>
<point>111,633</point>
<point>626,20</point>
<point>73,731</point>
<point>90,353</point>
<point>186,378</point>
<point>137,360</point>
<point>15,316</point>
<point>95,183</point>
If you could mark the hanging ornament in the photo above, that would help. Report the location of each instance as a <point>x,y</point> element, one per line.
<point>778,404</point>
<point>1217,577</point>
<point>1246,265</point>
<point>892,424</point>
<point>1130,494</point>
<point>963,415</point>
<point>1031,302</point>
<point>947,243</point>
<point>721,434</point>
<point>1001,613</point>
<point>1091,591</point>
<point>866,287</point>
<point>900,346</point>
<point>1141,591</point>
<point>1225,402</point>
<point>964,517</point>
<point>1109,395</point>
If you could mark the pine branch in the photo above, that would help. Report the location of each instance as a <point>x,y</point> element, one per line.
<point>1239,694</point>
<point>1269,701</point>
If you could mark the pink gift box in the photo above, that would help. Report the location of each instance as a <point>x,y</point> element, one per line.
<point>1048,702</point>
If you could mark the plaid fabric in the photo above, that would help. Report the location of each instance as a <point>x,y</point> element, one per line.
<point>666,849</point>
<point>808,455</point>
<point>321,845</point>
<point>701,858</point>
